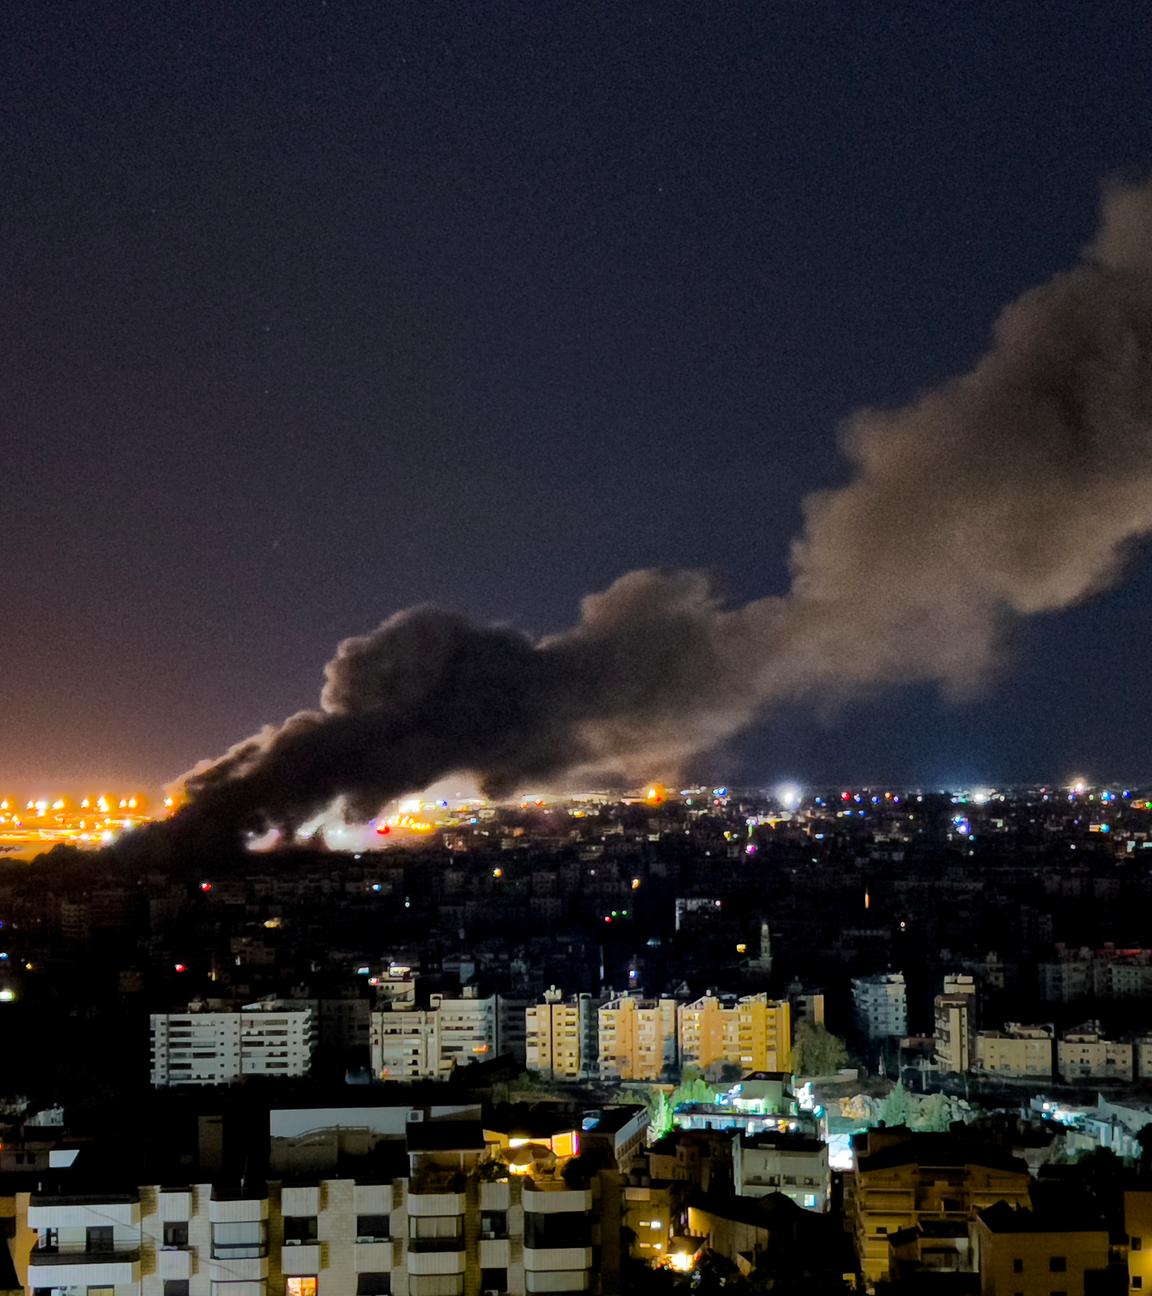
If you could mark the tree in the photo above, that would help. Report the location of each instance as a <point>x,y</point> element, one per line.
<point>816,1051</point>
<point>932,1113</point>
<point>694,1090</point>
<point>894,1110</point>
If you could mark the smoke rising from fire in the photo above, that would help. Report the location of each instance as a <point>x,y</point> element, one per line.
<point>1012,490</point>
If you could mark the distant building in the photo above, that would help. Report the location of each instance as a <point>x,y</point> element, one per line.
<point>561,1036</point>
<point>752,1033</point>
<point>879,1005</point>
<point>1084,1054</point>
<point>1015,1052</point>
<point>955,1023</point>
<point>429,1043</point>
<point>220,1046</point>
<point>637,1038</point>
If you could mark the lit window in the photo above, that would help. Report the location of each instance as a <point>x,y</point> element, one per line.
<point>301,1287</point>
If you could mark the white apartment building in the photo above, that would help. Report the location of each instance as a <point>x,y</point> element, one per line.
<point>1085,1054</point>
<point>561,1036</point>
<point>404,1044</point>
<point>1016,1051</point>
<point>211,1045</point>
<point>880,1005</point>
<point>793,1164</point>
<point>428,1043</point>
<point>448,1218</point>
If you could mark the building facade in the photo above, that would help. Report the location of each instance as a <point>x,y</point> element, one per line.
<point>880,1006</point>
<point>637,1039</point>
<point>206,1046</point>
<point>752,1033</point>
<point>1016,1052</point>
<point>561,1036</point>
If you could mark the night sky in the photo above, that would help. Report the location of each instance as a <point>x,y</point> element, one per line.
<point>312,311</point>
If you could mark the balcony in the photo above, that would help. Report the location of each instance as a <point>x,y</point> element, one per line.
<point>64,1267</point>
<point>301,1258</point>
<point>427,1263</point>
<point>174,1262</point>
<point>88,1211</point>
<point>537,1259</point>
<point>495,1253</point>
<point>373,1257</point>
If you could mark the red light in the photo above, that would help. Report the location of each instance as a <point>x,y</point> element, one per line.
<point>181,967</point>
<point>608,918</point>
<point>205,886</point>
<point>384,830</point>
<point>845,796</point>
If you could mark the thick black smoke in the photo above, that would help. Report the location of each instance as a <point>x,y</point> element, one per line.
<point>1012,490</point>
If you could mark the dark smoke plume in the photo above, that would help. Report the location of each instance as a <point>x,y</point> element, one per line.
<point>1012,490</point>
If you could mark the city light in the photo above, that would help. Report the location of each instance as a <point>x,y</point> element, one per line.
<point>789,796</point>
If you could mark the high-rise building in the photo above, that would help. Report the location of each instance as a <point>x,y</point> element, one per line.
<point>753,1033</point>
<point>637,1038</point>
<point>562,1036</point>
<point>879,1005</point>
<point>955,1023</point>
<point>210,1045</point>
<point>428,1043</point>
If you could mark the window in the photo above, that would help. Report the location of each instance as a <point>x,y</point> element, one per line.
<point>175,1287</point>
<point>301,1286</point>
<point>1137,1282</point>
<point>494,1224</point>
<point>1057,1264</point>
<point>176,1234</point>
<point>99,1238</point>
<point>563,1229</point>
<point>240,1241</point>
<point>1017,1265</point>
<point>374,1284</point>
<point>377,1228</point>
<point>1137,1243</point>
<point>435,1233</point>
<point>299,1228</point>
<point>101,1291</point>
<point>493,1280</point>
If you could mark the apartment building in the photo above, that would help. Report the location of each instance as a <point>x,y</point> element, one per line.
<point>793,1164</point>
<point>408,1043</point>
<point>1085,1054</point>
<point>902,1179</point>
<point>879,1005</point>
<point>215,1044</point>
<point>751,1033</point>
<point>1021,1251</point>
<point>562,1036</point>
<point>1016,1052</point>
<point>445,1209</point>
<point>955,1023</point>
<point>637,1038</point>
